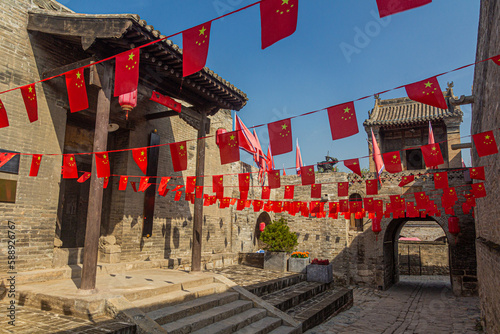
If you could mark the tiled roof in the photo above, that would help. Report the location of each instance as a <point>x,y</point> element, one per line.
<point>205,80</point>
<point>403,111</point>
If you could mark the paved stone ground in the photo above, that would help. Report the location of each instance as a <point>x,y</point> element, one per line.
<point>417,304</point>
<point>246,275</point>
<point>33,321</point>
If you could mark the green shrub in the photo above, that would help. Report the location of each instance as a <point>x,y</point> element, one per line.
<point>278,238</point>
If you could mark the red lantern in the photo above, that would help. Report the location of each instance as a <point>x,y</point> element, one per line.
<point>262,226</point>
<point>376,226</point>
<point>453,226</point>
<point>128,101</point>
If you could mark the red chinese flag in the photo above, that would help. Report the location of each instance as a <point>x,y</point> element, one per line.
<point>5,157</point>
<point>77,91</point>
<point>177,187</point>
<point>178,195</point>
<point>368,204</point>
<point>199,191</point>
<point>266,192</point>
<point>102,164</point>
<point>334,208</point>
<point>396,202</point>
<point>4,121</point>
<point>178,151</point>
<point>421,199</point>
<point>378,206</point>
<point>29,97</point>
<point>343,205</point>
<point>123,183</point>
<point>343,121</point>
<point>343,189</point>
<point>432,155</point>
<point>243,194</point>
<point>278,19</point>
<point>190,184</point>
<point>406,179</point>
<point>450,195</point>
<point>477,173</point>
<point>229,147</point>
<point>144,184</point>
<point>217,183</point>
<point>280,136</point>
<point>441,180</point>
<point>289,192</point>
<point>316,191</point>
<point>127,72</point>
<point>392,162</point>
<point>140,156</point>
<point>274,179</point>
<point>478,190</point>
<point>106,182</point>
<point>371,187</point>
<point>240,205</point>
<point>244,181</point>
<point>485,143</point>
<point>85,176</point>
<point>70,170</point>
<point>195,48</point>
<point>353,164</point>
<point>36,160</point>
<point>166,101</point>
<point>307,175</point>
<point>427,92</point>
<point>162,188</point>
<point>389,7</point>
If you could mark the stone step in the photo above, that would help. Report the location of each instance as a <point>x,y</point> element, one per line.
<point>176,312</point>
<point>208,317</point>
<point>263,326</point>
<point>141,293</point>
<point>179,296</point>
<point>234,323</point>
<point>286,330</point>
<point>319,308</point>
<point>264,288</point>
<point>295,294</point>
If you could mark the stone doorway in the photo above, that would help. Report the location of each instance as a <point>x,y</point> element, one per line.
<point>263,218</point>
<point>391,251</point>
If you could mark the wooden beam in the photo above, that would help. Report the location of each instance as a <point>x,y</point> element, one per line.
<point>93,227</point>
<point>66,68</point>
<point>460,146</point>
<point>198,202</point>
<point>162,114</point>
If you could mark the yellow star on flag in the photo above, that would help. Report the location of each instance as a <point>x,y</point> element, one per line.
<point>428,84</point>
<point>202,30</point>
<point>283,127</point>
<point>78,75</point>
<point>231,137</point>
<point>131,56</point>
<point>30,89</point>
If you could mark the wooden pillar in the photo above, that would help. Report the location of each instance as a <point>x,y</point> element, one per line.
<point>198,202</point>
<point>96,184</point>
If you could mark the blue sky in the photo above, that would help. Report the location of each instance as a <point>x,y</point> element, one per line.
<point>341,51</point>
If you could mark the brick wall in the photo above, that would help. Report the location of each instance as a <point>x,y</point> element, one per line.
<point>423,258</point>
<point>486,116</point>
<point>37,198</point>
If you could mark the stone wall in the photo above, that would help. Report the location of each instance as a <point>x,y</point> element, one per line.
<point>360,257</point>
<point>486,116</point>
<point>423,258</point>
<point>425,231</point>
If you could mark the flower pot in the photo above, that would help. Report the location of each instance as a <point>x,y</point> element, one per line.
<point>320,273</point>
<point>298,265</point>
<point>275,261</point>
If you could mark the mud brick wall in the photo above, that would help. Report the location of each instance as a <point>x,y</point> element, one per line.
<point>486,116</point>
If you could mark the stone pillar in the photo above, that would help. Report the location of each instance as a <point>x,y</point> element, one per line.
<point>453,137</point>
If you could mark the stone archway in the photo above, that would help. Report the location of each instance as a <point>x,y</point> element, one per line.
<point>263,218</point>
<point>390,247</point>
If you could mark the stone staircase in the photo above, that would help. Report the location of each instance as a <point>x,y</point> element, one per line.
<point>309,303</point>
<point>208,306</point>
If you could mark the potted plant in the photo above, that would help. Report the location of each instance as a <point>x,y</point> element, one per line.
<point>279,240</point>
<point>298,262</point>
<point>320,271</point>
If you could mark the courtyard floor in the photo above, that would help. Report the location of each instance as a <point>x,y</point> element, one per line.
<point>417,304</point>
